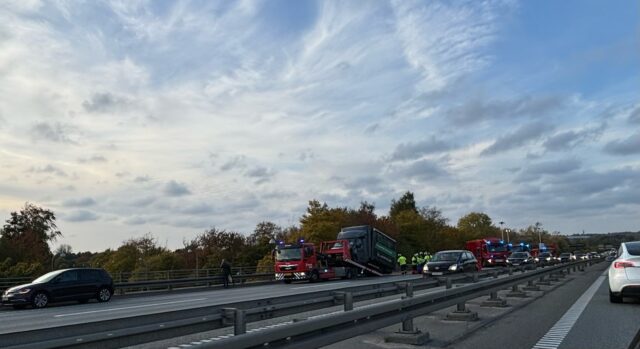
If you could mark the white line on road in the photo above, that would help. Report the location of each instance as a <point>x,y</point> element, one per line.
<point>559,331</point>
<point>131,307</point>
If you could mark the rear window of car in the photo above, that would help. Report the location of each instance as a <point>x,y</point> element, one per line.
<point>633,248</point>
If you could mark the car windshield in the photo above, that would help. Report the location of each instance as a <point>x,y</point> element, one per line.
<point>519,255</point>
<point>446,257</point>
<point>288,254</point>
<point>633,248</point>
<point>47,277</point>
<point>497,248</point>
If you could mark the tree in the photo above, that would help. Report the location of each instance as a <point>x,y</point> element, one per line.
<point>406,203</point>
<point>26,235</point>
<point>322,223</point>
<point>476,225</point>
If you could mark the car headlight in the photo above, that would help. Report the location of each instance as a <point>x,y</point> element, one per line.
<point>425,268</point>
<point>303,274</point>
<point>23,291</point>
<point>453,267</point>
<point>490,260</point>
<point>536,259</point>
<point>548,259</point>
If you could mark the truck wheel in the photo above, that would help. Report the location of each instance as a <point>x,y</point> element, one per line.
<point>314,276</point>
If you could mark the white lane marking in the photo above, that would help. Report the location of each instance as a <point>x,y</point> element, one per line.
<point>559,331</point>
<point>332,284</point>
<point>131,307</point>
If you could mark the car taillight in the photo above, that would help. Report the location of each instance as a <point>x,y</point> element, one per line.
<point>623,264</point>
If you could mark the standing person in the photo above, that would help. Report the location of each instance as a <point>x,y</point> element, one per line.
<point>402,261</point>
<point>414,263</point>
<point>226,272</point>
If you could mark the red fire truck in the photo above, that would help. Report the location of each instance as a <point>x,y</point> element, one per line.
<point>305,261</point>
<point>489,251</point>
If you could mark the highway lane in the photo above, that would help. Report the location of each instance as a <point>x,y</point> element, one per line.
<point>599,325</point>
<point>122,307</point>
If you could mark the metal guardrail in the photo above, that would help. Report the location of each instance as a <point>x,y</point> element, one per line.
<point>326,330</point>
<point>145,328</point>
<point>169,279</point>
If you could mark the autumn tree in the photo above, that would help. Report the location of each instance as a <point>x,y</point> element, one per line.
<point>476,225</point>
<point>26,235</point>
<point>406,203</point>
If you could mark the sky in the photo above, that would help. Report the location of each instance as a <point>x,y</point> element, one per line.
<point>172,117</point>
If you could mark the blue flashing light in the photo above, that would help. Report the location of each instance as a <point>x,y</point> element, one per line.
<point>528,245</point>
<point>522,244</point>
<point>488,242</point>
<point>510,245</point>
<point>302,241</point>
<point>502,241</point>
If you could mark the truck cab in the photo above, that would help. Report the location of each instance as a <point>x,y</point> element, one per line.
<point>295,261</point>
<point>489,251</point>
<point>305,261</point>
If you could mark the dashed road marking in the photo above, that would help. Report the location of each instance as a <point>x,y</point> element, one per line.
<point>559,331</point>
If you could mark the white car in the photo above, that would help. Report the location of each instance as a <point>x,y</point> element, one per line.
<point>624,273</point>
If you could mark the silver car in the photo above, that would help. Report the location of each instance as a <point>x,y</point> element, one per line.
<point>624,273</point>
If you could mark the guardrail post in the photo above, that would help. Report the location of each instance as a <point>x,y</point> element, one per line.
<point>531,286</point>
<point>516,292</point>
<point>408,334</point>
<point>494,301</point>
<point>474,277</point>
<point>495,274</point>
<point>462,313</point>
<point>240,323</point>
<point>409,289</point>
<point>569,271</point>
<point>542,281</point>
<point>448,283</point>
<point>348,301</point>
<point>235,317</point>
<point>510,271</point>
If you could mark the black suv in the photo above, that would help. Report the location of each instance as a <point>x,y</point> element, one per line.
<point>80,284</point>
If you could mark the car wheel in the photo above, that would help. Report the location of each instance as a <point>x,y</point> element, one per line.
<point>613,298</point>
<point>314,276</point>
<point>104,294</point>
<point>40,300</point>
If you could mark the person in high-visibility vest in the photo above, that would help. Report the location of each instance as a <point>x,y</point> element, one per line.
<point>402,261</point>
<point>414,263</point>
<point>420,261</point>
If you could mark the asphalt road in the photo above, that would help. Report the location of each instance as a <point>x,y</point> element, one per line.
<point>121,307</point>
<point>600,325</point>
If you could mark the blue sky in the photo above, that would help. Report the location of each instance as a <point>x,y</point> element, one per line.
<point>129,117</point>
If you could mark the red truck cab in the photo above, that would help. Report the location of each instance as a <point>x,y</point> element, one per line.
<point>489,251</point>
<point>304,261</point>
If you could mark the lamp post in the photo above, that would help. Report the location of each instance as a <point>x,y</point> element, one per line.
<point>539,234</point>
<point>195,253</point>
<point>53,259</point>
<point>502,230</point>
<point>508,231</point>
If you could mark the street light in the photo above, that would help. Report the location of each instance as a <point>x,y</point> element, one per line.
<point>502,230</point>
<point>195,252</point>
<point>53,259</point>
<point>508,231</point>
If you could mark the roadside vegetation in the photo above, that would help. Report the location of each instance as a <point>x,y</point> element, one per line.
<point>27,235</point>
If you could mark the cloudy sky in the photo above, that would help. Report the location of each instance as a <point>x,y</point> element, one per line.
<point>171,117</point>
